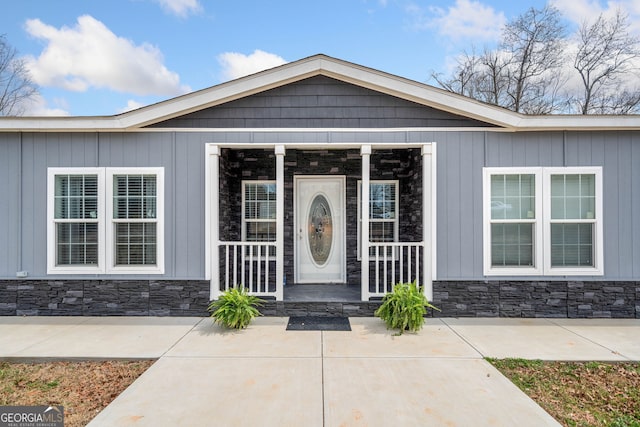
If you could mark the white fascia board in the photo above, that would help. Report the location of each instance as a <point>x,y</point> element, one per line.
<point>579,122</point>
<point>59,124</point>
<point>420,93</point>
<point>467,107</point>
<point>220,94</point>
<point>165,110</point>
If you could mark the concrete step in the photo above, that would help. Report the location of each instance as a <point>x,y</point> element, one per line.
<point>319,308</point>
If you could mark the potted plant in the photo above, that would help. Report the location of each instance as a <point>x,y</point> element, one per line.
<point>235,308</point>
<point>404,308</point>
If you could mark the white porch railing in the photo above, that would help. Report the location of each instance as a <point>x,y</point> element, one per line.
<point>391,263</point>
<point>249,264</point>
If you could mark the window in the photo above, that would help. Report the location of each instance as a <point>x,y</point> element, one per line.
<point>74,208</point>
<point>543,221</point>
<point>134,219</point>
<point>575,220</point>
<point>383,212</point>
<point>97,228</point>
<point>513,222</point>
<point>259,212</point>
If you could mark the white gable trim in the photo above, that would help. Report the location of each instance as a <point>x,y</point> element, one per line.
<point>322,65</point>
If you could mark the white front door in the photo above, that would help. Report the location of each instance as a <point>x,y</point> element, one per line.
<point>320,237</point>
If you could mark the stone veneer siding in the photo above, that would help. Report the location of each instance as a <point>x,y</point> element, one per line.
<point>561,299</point>
<point>104,297</point>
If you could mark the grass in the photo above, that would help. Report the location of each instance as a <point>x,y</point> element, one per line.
<point>580,394</point>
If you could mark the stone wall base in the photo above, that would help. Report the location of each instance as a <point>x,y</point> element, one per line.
<point>561,299</point>
<point>104,297</point>
<point>142,298</point>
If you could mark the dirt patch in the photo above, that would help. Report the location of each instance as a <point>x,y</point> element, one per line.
<point>580,394</point>
<point>83,388</point>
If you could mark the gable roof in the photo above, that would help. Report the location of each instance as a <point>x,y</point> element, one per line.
<point>319,102</point>
<point>331,67</point>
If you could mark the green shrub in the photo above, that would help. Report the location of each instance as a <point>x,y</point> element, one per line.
<point>235,308</point>
<point>404,308</point>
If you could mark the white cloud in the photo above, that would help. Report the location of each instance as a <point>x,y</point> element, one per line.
<point>235,65</point>
<point>37,106</point>
<point>579,11</point>
<point>131,105</point>
<point>181,8</point>
<point>89,55</point>
<point>465,20</point>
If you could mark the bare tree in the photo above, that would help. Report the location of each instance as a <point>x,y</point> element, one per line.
<point>606,54</point>
<point>463,80</point>
<point>478,76</point>
<point>16,85</point>
<point>533,44</point>
<point>524,74</point>
<point>494,83</point>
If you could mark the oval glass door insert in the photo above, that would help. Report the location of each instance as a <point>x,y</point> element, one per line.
<point>320,229</point>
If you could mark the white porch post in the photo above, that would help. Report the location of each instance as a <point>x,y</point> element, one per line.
<point>427,232</point>
<point>280,152</point>
<point>214,220</point>
<point>365,152</point>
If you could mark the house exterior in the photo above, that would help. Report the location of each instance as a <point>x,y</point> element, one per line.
<point>269,181</point>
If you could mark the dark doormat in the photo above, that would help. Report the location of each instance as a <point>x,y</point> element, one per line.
<point>318,323</point>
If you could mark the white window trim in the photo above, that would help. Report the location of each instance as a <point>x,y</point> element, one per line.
<point>542,232</point>
<point>396,222</point>
<point>538,248</point>
<point>597,269</point>
<point>105,223</point>
<point>244,220</point>
<point>52,268</point>
<point>112,268</point>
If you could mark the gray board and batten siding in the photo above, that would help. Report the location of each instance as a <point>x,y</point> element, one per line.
<point>25,157</point>
<point>180,156</point>
<point>461,157</point>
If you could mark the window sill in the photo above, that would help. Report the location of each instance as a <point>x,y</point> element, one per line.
<point>513,272</point>
<point>112,271</point>
<point>74,270</point>
<point>565,271</point>
<point>135,270</point>
<point>554,272</point>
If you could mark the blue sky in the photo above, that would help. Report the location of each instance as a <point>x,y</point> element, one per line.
<point>97,57</point>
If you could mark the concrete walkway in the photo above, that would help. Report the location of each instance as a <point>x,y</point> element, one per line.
<point>267,376</point>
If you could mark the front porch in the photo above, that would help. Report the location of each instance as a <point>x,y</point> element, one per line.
<point>271,262</point>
